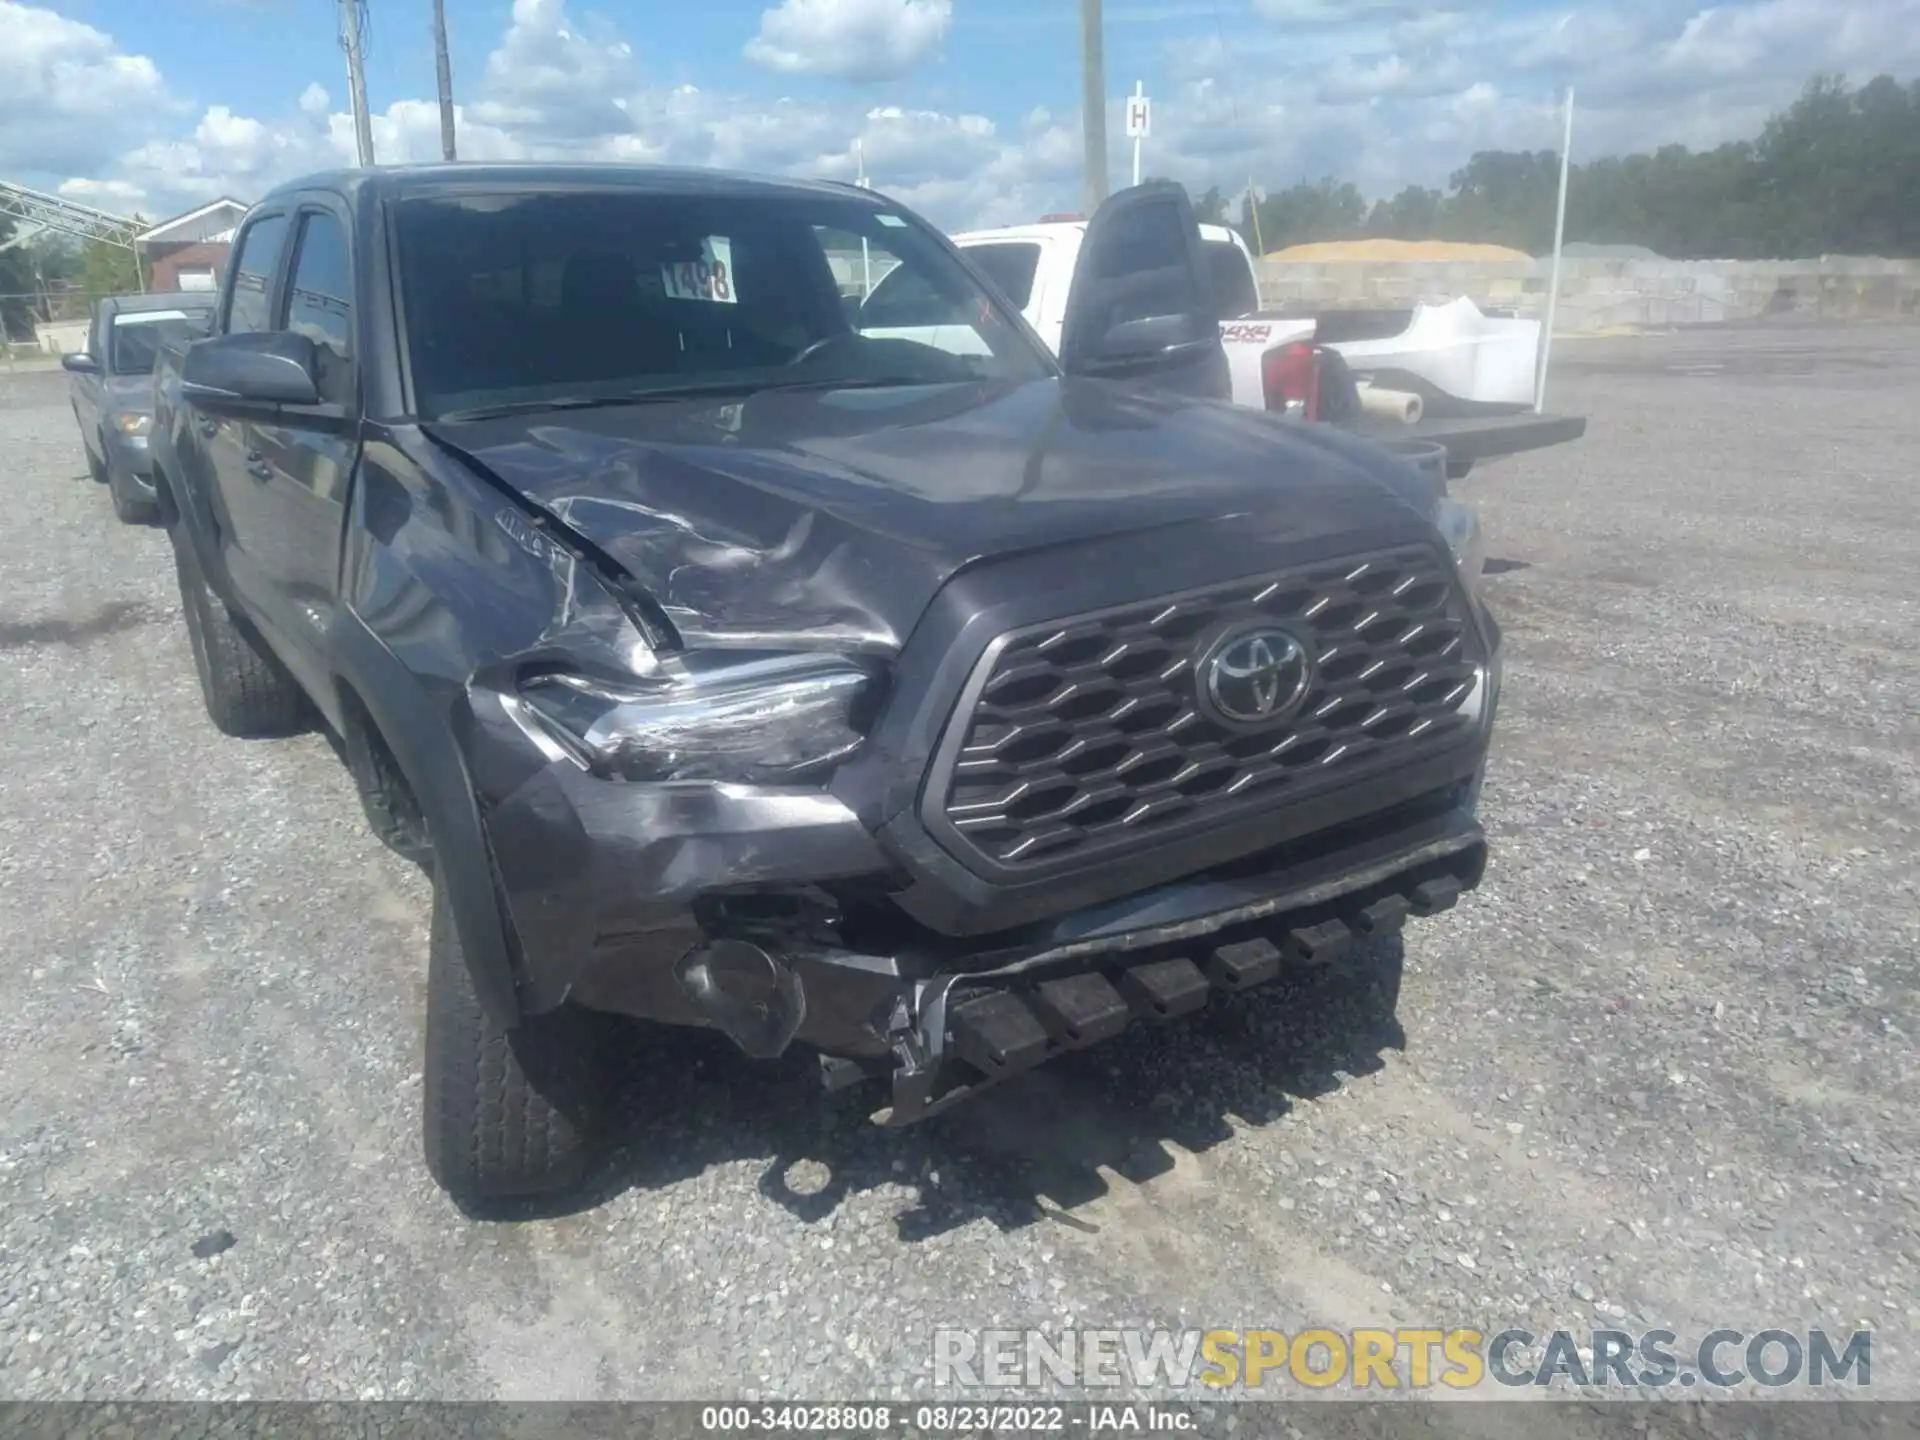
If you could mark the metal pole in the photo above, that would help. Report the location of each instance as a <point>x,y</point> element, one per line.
<point>1559,242</point>
<point>1139,89</point>
<point>1093,103</point>
<point>1253,209</point>
<point>445,68</point>
<point>356,80</point>
<point>866,255</point>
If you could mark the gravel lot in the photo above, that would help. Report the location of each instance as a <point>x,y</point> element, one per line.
<point>1659,1070</point>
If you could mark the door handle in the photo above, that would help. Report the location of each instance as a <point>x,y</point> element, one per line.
<point>257,466</point>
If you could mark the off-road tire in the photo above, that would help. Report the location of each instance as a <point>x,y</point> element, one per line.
<point>508,1114</point>
<point>392,811</point>
<point>248,692</point>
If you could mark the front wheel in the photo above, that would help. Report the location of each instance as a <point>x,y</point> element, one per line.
<point>508,1113</point>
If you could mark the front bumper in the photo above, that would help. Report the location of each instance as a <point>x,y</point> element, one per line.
<point>130,464</point>
<point>770,915</point>
<point>784,916</point>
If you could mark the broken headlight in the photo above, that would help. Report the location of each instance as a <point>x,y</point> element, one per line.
<point>763,721</point>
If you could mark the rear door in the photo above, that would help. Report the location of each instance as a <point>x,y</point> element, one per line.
<point>1142,309</point>
<point>306,453</point>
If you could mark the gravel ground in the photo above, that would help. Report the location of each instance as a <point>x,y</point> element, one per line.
<point>1659,1070</point>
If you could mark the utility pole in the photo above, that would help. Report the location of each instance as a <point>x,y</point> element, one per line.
<point>1093,102</point>
<point>350,17</point>
<point>445,69</point>
<point>1559,242</point>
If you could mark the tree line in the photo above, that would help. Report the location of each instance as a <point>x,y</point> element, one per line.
<point>1835,173</point>
<point>34,277</point>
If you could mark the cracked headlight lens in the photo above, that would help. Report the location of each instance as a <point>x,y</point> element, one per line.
<point>766,721</point>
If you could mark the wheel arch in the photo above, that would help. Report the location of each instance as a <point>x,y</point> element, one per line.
<point>375,690</point>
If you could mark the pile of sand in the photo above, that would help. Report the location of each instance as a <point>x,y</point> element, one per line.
<point>1337,251</point>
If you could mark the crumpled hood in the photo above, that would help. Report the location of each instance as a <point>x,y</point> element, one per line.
<point>840,514</point>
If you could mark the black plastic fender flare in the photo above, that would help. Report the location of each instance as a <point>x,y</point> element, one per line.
<point>423,747</point>
<point>422,743</point>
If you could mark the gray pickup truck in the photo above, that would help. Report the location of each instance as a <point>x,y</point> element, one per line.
<point>112,389</point>
<point>938,710</point>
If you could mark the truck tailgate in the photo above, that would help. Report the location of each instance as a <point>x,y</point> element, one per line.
<point>1472,438</point>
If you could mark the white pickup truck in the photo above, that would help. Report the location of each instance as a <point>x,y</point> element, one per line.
<point>1446,373</point>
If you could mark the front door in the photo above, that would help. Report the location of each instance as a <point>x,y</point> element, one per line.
<point>306,453</point>
<point>238,470</point>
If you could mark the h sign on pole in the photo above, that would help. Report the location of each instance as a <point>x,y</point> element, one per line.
<point>1139,122</point>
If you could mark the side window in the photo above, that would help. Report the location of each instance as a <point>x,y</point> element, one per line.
<point>1011,266</point>
<point>901,297</point>
<point>319,298</point>
<point>906,300</point>
<point>253,267</point>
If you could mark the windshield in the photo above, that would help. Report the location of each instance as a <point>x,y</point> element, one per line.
<point>526,301</point>
<point>139,336</point>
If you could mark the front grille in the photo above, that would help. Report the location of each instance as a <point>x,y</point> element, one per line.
<point>1089,733</point>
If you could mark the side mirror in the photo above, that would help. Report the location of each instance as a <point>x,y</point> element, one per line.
<point>80,363</point>
<point>1141,305</point>
<point>274,367</point>
<point>1150,337</point>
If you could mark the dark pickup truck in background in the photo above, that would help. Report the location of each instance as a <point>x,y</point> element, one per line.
<point>939,710</point>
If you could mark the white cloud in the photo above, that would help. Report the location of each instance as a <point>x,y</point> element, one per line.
<point>69,97</point>
<point>1383,100</point>
<point>1387,98</point>
<point>852,39</point>
<point>551,78</point>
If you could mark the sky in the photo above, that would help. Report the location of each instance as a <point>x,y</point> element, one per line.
<point>966,110</point>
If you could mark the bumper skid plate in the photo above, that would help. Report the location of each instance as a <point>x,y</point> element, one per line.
<point>969,1032</point>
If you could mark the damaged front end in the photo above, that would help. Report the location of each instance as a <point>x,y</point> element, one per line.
<point>770,913</point>
<point>943,860</point>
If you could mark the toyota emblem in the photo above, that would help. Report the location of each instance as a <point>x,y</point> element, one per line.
<point>1255,677</point>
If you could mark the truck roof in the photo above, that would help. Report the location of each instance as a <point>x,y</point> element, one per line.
<point>160,300</point>
<point>390,181</point>
<point>1041,229</point>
